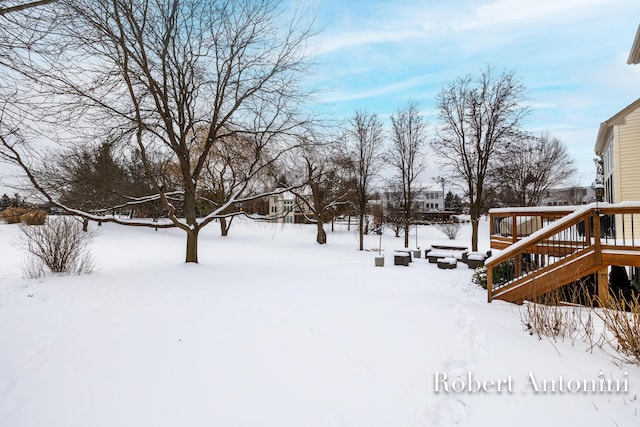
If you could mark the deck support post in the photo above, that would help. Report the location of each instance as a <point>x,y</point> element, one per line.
<point>602,276</point>
<point>602,279</point>
<point>489,283</point>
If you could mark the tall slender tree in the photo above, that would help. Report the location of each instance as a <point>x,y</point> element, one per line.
<point>406,156</point>
<point>364,146</point>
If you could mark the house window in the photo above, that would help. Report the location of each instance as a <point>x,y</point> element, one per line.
<point>608,160</point>
<point>608,173</point>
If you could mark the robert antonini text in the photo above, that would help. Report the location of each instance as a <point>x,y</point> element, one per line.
<point>469,383</point>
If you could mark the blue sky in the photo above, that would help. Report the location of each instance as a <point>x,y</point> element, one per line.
<point>571,55</point>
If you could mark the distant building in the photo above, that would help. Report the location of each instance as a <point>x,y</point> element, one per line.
<point>428,204</point>
<point>430,200</point>
<point>288,208</point>
<point>570,196</point>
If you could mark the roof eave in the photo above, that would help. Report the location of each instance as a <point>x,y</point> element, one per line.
<point>604,133</point>
<point>601,139</point>
<point>634,55</point>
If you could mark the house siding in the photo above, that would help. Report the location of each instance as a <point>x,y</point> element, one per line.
<point>627,173</point>
<point>616,167</point>
<point>629,157</point>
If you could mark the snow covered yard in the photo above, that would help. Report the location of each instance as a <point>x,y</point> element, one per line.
<point>271,329</point>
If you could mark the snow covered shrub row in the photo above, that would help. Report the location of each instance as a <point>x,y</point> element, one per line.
<point>546,317</point>
<point>620,317</point>
<point>27,216</point>
<point>58,246</point>
<point>12,215</point>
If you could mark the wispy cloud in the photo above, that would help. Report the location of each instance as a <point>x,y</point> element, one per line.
<point>571,54</point>
<point>338,96</point>
<point>359,38</point>
<point>415,21</point>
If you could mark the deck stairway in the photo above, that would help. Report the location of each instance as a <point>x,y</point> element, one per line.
<point>542,250</point>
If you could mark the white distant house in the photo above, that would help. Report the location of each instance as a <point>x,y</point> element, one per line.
<point>425,200</point>
<point>428,204</point>
<point>288,208</point>
<point>430,199</point>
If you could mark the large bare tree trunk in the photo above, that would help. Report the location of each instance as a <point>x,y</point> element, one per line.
<point>321,236</point>
<point>191,215</point>
<point>474,234</point>
<point>225,226</point>
<point>192,246</point>
<point>406,233</point>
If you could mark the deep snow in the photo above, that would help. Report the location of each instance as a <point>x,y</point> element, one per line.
<point>271,329</point>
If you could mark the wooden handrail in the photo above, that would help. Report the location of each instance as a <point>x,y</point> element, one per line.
<point>528,266</point>
<point>525,243</point>
<point>540,239</point>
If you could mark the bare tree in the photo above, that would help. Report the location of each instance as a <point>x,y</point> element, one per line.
<point>406,156</point>
<point>157,74</point>
<point>364,145</point>
<point>324,174</point>
<point>224,172</point>
<point>529,168</point>
<point>393,204</point>
<point>478,116</point>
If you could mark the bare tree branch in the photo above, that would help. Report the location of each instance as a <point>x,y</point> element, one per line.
<point>24,6</point>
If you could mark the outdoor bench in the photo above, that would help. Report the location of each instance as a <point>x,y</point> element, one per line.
<point>434,254</point>
<point>476,259</point>
<point>401,258</point>
<point>447,263</point>
<point>405,251</point>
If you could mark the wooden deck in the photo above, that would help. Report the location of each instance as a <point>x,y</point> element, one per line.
<point>542,249</point>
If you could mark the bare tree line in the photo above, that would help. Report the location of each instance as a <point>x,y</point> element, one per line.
<point>192,109</point>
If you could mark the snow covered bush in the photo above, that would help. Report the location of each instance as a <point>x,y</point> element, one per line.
<point>450,229</point>
<point>58,246</point>
<point>546,317</point>
<point>480,277</point>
